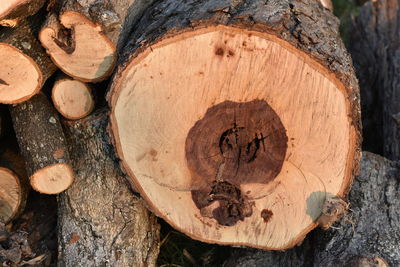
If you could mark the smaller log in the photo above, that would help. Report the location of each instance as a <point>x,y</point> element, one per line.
<point>13,11</point>
<point>72,98</point>
<point>43,146</point>
<point>82,37</point>
<point>24,65</point>
<point>14,186</point>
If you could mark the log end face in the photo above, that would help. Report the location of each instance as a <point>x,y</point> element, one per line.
<point>245,144</point>
<point>79,48</point>
<point>52,179</point>
<point>10,195</point>
<point>20,76</point>
<point>72,98</point>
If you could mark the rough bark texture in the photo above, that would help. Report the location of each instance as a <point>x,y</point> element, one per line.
<point>303,23</point>
<point>101,221</point>
<point>371,229</point>
<point>21,11</point>
<point>376,53</point>
<point>39,134</point>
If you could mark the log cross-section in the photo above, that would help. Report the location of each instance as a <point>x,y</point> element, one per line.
<point>24,65</point>
<point>78,47</point>
<point>72,98</point>
<point>236,120</point>
<point>82,36</point>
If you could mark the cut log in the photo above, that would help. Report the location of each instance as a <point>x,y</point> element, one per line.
<point>42,144</point>
<point>14,185</point>
<point>237,121</point>
<point>13,11</point>
<point>82,38</point>
<point>24,65</point>
<point>101,221</point>
<point>376,53</point>
<point>72,98</point>
<point>370,231</point>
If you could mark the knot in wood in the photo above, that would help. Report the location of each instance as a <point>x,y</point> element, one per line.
<point>234,144</point>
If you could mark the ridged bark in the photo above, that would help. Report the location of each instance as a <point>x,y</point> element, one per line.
<point>101,221</point>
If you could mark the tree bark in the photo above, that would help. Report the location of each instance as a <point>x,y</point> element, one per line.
<point>101,221</point>
<point>371,229</point>
<point>42,144</point>
<point>376,55</point>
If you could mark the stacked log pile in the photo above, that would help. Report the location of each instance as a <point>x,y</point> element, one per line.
<point>237,122</point>
<point>80,38</point>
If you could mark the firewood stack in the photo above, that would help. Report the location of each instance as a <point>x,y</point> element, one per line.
<point>238,122</point>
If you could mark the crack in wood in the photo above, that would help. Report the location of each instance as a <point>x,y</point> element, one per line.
<point>66,40</point>
<point>4,82</point>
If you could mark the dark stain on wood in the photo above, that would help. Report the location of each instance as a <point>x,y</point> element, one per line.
<point>234,144</point>
<point>153,153</point>
<point>232,205</point>
<point>266,215</point>
<point>66,40</point>
<point>219,51</point>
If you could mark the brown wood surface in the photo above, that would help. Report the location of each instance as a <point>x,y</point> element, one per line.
<point>82,37</point>
<point>36,66</point>
<point>72,98</point>
<point>182,61</point>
